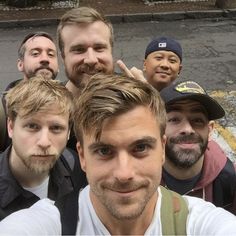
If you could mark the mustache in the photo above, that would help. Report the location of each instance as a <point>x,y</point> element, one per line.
<point>125,187</point>
<point>45,153</point>
<point>45,67</point>
<point>186,139</point>
<point>88,69</point>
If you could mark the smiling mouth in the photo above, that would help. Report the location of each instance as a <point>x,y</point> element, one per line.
<point>125,190</point>
<point>162,73</point>
<point>187,145</point>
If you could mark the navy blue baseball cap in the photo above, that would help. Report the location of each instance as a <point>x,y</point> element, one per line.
<point>193,91</point>
<point>164,44</point>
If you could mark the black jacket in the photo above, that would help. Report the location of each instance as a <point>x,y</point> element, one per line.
<point>65,177</point>
<point>5,141</point>
<point>217,183</point>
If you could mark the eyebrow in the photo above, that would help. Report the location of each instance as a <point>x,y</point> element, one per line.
<point>84,45</point>
<point>97,145</point>
<point>145,139</point>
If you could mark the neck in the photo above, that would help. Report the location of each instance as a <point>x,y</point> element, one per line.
<point>180,173</point>
<point>136,226</point>
<point>25,78</point>
<point>24,176</point>
<point>73,89</point>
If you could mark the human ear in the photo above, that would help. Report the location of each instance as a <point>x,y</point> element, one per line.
<point>163,148</point>
<point>10,126</point>
<point>211,126</point>
<point>144,65</point>
<point>20,65</point>
<point>180,68</point>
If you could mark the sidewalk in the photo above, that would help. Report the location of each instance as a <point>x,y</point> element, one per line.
<point>119,11</point>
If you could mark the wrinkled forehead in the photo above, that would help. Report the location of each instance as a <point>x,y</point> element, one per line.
<point>40,42</point>
<point>187,105</point>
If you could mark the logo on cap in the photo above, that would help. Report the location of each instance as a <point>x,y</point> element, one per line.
<point>162,45</point>
<point>189,87</point>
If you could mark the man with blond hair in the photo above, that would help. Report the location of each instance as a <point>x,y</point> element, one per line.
<point>33,167</point>
<point>85,39</point>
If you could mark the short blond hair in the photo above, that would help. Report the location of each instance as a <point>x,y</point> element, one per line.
<point>37,94</point>
<point>107,96</point>
<point>81,15</point>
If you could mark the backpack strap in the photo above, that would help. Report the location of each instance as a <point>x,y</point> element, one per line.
<point>3,129</point>
<point>174,213</point>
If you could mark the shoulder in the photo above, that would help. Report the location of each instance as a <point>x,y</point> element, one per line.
<point>214,150</point>
<point>12,84</point>
<point>204,218</point>
<point>43,218</point>
<point>4,159</point>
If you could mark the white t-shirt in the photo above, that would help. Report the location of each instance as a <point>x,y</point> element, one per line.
<point>43,219</point>
<point>41,190</point>
<point>203,218</point>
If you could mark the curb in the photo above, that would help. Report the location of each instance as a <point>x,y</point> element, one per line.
<point>129,18</point>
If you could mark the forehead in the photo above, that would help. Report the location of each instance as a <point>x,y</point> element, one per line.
<point>53,109</point>
<point>186,106</point>
<point>163,53</point>
<point>85,33</point>
<point>40,42</point>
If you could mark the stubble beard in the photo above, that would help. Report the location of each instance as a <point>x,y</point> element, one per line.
<point>80,78</point>
<point>39,166</point>
<point>117,208</point>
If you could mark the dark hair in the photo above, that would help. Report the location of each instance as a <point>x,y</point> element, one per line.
<point>21,50</point>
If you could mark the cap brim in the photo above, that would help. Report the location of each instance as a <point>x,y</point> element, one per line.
<point>214,109</point>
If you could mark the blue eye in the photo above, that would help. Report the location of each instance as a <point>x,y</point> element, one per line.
<point>104,151</point>
<point>141,150</point>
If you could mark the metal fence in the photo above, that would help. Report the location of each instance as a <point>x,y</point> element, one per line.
<point>40,4</point>
<point>171,1</point>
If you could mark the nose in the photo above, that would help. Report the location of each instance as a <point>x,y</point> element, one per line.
<point>124,170</point>
<point>164,63</point>
<point>44,59</point>
<point>44,139</point>
<point>186,128</point>
<point>90,57</point>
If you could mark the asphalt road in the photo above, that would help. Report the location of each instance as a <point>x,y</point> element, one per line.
<point>209,49</point>
<point>209,57</point>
